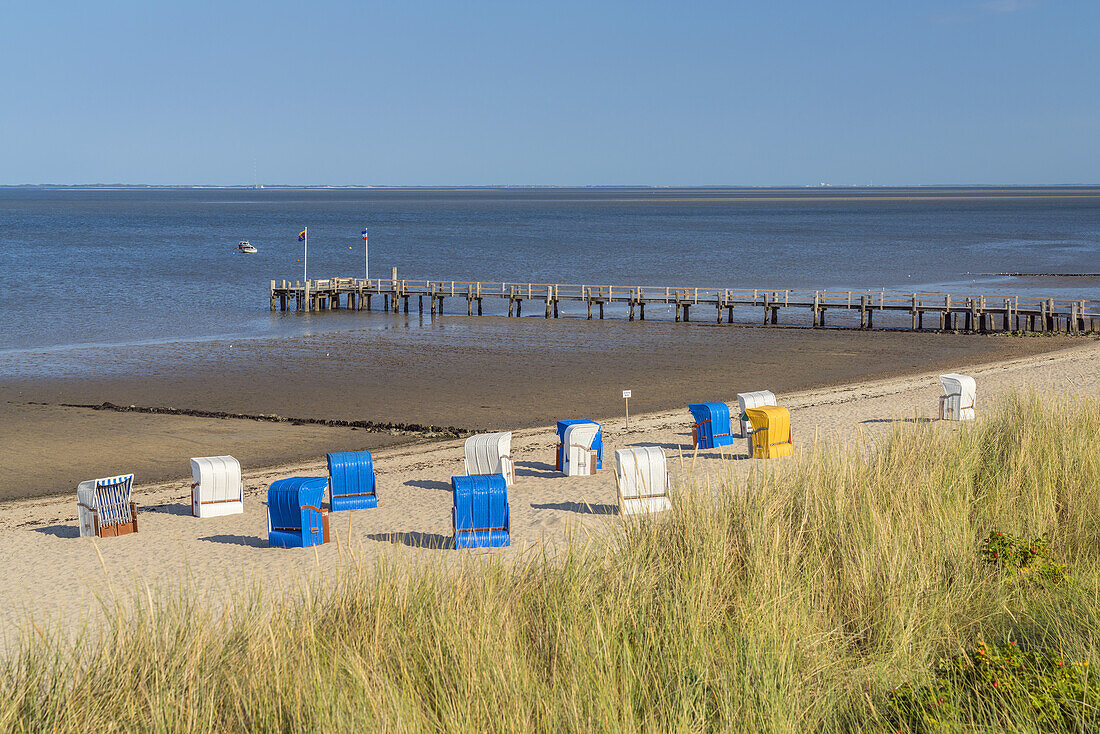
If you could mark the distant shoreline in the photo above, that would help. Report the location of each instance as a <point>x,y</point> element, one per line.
<point>959,188</point>
<point>1049,275</point>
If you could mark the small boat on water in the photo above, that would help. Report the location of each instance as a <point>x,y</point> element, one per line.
<point>246,246</point>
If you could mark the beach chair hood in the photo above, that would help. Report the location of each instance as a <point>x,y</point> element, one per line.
<point>481,517</point>
<point>641,473</point>
<point>746,400</point>
<point>597,443</point>
<point>578,444</point>
<point>959,394</point>
<point>294,516</point>
<point>216,487</point>
<point>713,427</point>
<point>771,432</point>
<point>104,507</point>
<point>490,453</point>
<point>352,484</point>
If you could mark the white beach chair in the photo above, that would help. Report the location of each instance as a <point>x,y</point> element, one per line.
<point>490,453</point>
<point>104,508</point>
<point>957,401</point>
<point>641,474</point>
<point>746,400</point>
<point>217,488</point>
<point>580,457</point>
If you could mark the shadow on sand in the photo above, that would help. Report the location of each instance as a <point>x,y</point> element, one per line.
<point>429,484</point>
<point>899,420</point>
<point>416,540</point>
<point>249,541</point>
<point>173,509</point>
<point>59,531</point>
<point>535,469</point>
<point>580,507</point>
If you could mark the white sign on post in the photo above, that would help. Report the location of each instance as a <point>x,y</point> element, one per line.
<point>626,394</point>
<point>626,397</point>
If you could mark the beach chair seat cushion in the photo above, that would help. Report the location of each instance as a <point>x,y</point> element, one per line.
<point>216,488</point>
<point>771,435</point>
<point>352,484</point>
<point>481,517</point>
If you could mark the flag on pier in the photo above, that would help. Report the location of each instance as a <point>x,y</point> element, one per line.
<point>301,235</point>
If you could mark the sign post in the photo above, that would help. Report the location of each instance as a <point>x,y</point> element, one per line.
<point>626,397</point>
<point>366,260</point>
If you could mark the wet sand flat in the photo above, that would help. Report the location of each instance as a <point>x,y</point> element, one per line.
<point>477,374</point>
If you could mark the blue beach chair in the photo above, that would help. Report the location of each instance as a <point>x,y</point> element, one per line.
<point>713,427</point>
<point>351,481</point>
<point>481,517</point>
<point>294,515</point>
<point>559,457</point>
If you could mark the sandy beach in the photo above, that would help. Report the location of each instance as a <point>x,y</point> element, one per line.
<point>58,579</point>
<point>476,374</point>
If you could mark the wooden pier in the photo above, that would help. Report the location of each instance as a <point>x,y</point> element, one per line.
<point>853,309</point>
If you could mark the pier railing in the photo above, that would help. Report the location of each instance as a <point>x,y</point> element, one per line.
<point>976,311</point>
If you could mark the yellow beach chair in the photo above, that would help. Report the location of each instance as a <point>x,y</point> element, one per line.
<point>771,432</point>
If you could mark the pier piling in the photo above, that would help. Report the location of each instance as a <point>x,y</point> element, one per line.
<point>965,313</point>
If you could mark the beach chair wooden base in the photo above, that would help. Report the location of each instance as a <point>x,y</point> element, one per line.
<point>719,439</point>
<point>113,531</point>
<point>644,505</point>
<point>216,508</point>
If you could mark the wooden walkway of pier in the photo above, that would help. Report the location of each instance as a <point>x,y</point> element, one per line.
<point>940,312</point>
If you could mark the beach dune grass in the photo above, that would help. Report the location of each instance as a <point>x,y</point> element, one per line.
<point>794,601</point>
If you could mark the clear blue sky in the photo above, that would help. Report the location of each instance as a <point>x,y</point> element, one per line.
<point>452,93</point>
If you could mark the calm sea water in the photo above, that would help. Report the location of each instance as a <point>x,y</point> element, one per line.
<point>93,267</point>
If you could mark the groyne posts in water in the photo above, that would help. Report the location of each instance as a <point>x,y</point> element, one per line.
<point>948,312</point>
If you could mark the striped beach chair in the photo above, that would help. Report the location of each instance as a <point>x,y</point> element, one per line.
<point>351,481</point>
<point>294,515</point>
<point>481,517</point>
<point>104,508</point>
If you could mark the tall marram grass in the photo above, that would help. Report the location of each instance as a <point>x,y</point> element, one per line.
<point>794,601</point>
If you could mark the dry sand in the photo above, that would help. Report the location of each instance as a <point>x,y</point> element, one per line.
<point>57,578</point>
